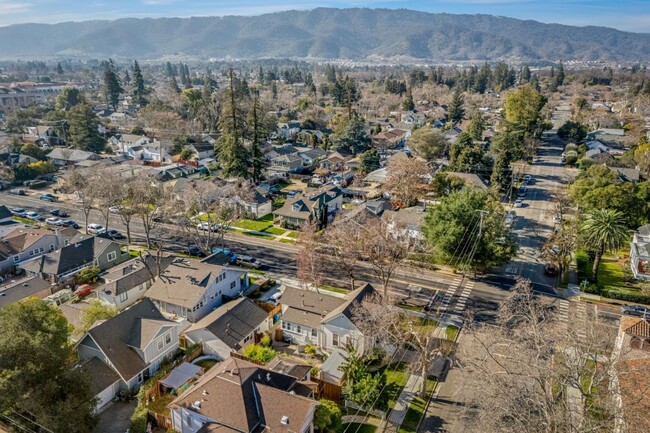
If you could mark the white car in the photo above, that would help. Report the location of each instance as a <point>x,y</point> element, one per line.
<point>519,203</point>
<point>33,216</point>
<point>275,298</point>
<point>54,221</point>
<point>114,209</point>
<point>95,229</point>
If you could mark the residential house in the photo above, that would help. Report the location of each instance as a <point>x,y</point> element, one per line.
<point>124,351</point>
<point>302,208</point>
<point>609,136</point>
<point>210,138</point>
<point>326,321</point>
<point>63,156</point>
<point>275,151</point>
<point>174,171</point>
<point>120,118</point>
<point>127,283</point>
<point>451,135</point>
<point>336,160</point>
<point>390,139</point>
<point>625,174</point>
<point>238,396</point>
<point>640,253</point>
<point>24,243</point>
<point>257,203</point>
<point>5,215</point>
<point>121,143</point>
<point>191,289</point>
<point>311,157</point>
<point>406,223</point>
<point>81,252</point>
<point>23,288</point>
<point>413,117</point>
<point>229,328</point>
<point>470,179</point>
<point>287,130</point>
<point>41,135</point>
<point>284,164</point>
<point>202,150</point>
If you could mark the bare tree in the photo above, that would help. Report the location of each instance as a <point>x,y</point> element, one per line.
<point>405,179</point>
<point>150,200</point>
<point>127,208</point>
<point>86,188</point>
<point>532,374</point>
<point>394,327</point>
<point>309,262</point>
<point>344,242</point>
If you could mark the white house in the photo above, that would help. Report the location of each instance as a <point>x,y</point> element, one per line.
<point>325,321</point>
<point>640,253</point>
<point>24,244</point>
<point>191,289</point>
<point>124,351</point>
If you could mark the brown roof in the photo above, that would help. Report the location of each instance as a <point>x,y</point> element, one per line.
<point>21,239</point>
<point>353,298</point>
<point>639,329</point>
<point>310,301</point>
<point>248,398</point>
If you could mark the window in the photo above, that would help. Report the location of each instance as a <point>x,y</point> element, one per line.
<point>284,325</point>
<point>299,329</point>
<point>51,247</point>
<point>111,256</point>
<point>41,250</point>
<point>161,344</point>
<point>123,296</point>
<point>201,304</point>
<point>314,333</point>
<point>31,253</point>
<point>66,242</point>
<point>16,259</point>
<point>168,338</point>
<point>335,340</point>
<point>247,338</point>
<point>233,284</point>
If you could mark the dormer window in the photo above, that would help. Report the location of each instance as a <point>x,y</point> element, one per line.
<point>296,207</point>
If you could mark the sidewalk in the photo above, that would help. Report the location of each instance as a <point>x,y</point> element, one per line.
<point>403,402</point>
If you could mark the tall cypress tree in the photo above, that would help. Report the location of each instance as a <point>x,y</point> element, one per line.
<point>256,134</point>
<point>232,153</point>
<point>139,91</point>
<point>456,110</point>
<point>112,86</point>
<point>83,129</point>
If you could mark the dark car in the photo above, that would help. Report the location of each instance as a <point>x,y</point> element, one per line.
<point>195,251</point>
<point>636,310</point>
<point>58,212</point>
<point>231,256</point>
<point>48,197</point>
<point>550,270</point>
<point>111,234</point>
<point>72,224</point>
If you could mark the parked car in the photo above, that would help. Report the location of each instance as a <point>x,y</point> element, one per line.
<point>521,193</point>
<point>203,225</point>
<point>18,191</point>
<point>59,213</point>
<point>48,197</point>
<point>557,219</point>
<point>33,216</point>
<point>528,178</point>
<point>275,298</point>
<point>112,234</point>
<point>83,290</point>
<point>18,211</point>
<point>550,270</point>
<point>195,251</point>
<point>114,209</point>
<point>519,203</point>
<point>70,223</point>
<point>95,229</point>
<point>248,261</point>
<point>232,256</point>
<point>635,310</point>
<point>53,221</point>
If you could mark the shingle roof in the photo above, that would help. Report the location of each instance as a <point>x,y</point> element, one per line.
<point>131,274</point>
<point>353,298</point>
<point>309,301</point>
<point>4,212</point>
<point>101,375</point>
<point>233,321</point>
<point>22,289</point>
<point>114,336</point>
<point>640,329</point>
<point>245,397</point>
<point>63,260</point>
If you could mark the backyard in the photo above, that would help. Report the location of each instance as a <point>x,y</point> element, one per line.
<point>613,277</point>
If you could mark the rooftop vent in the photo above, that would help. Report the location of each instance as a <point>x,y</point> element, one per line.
<point>284,420</point>
<point>196,405</point>
<point>268,377</point>
<point>205,392</point>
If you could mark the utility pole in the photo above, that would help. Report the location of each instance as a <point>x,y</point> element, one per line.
<point>480,226</point>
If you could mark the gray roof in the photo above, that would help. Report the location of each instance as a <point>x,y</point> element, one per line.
<point>310,301</point>
<point>644,230</point>
<point>411,216</point>
<point>101,375</point>
<point>63,260</point>
<point>71,155</point>
<point>332,365</point>
<point>626,174</point>
<point>352,299</point>
<point>22,289</point>
<point>5,213</point>
<point>469,178</point>
<point>133,273</point>
<point>114,336</point>
<point>233,321</point>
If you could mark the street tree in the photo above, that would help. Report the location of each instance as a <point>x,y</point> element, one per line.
<point>310,264</point>
<point>406,179</point>
<point>603,230</point>
<point>427,143</point>
<point>150,201</point>
<point>38,389</point>
<point>523,110</point>
<point>345,242</point>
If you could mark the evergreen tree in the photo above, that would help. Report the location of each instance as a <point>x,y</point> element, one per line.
<point>83,129</point>
<point>370,161</point>
<point>559,77</point>
<point>188,77</point>
<point>127,77</point>
<point>482,79</point>
<point>256,134</point>
<point>260,75</point>
<point>139,91</point>
<point>232,153</point>
<point>274,90</point>
<point>408,104</point>
<point>501,178</point>
<point>476,126</point>
<point>552,71</point>
<point>169,71</point>
<point>112,85</point>
<point>181,71</point>
<point>59,69</point>
<point>173,85</point>
<point>525,74</point>
<point>456,110</point>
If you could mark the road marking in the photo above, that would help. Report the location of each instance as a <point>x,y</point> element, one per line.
<point>581,331</point>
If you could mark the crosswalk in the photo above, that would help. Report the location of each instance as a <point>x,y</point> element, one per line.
<point>563,311</point>
<point>464,296</point>
<point>581,316</point>
<point>449,294</point>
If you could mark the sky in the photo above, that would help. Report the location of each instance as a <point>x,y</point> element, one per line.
<point>629,15</point>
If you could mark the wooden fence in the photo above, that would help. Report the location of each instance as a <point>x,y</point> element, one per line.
<point>327,390</point>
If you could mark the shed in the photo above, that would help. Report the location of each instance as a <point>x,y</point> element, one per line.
<point>180,375</point>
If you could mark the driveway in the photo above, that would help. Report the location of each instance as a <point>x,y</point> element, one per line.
<point>115,417</point>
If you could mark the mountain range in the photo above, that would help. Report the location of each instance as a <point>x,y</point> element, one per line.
<point>321,34</point>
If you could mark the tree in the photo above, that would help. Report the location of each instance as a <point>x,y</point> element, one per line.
<point>603,230</point>
<point>37,386</point>
<point>466,230</point>
<point>232,153</point>
<point>257,133</point>
<point>408,104</point>
<point>525,74</point>
<point>83,129</point>
<point>111,85</point>
<point>465,156</point>
<point>173,85</point>
<point>405,179</point>
<point>328,416</point>
<point>139,92</point>
<point>370,161</point>
<point>69,98</point>
<point>96,311</point>
<point>427,143</point>
<point>523,110</point>
<point>346,241</point>
<point>59,69</point>
<point>476,126</point>
<point>573,131</point>
<point>310,264</point>
<point>444,184</point>
<point>186,154</point>
<point>456,110</point>
<point>501,173</point>
<point>351,134</point>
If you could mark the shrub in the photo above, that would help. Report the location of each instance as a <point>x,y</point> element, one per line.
<point>259,353</point>
<point>571,157</point>
<point>571,146</point>
<point>138,422</point>
<point>310,350</point>
<point>266,340</point>
<point>87,275</point>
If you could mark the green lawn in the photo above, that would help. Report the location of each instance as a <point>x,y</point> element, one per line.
<point>259,234</point>
<point>334,289</point>
<point>275,231</point>
<point>160,404</point>
<point>267,218</point>
<point>451,332</point>
<point>287,241</point>
<point>413,415</point>
<point>206,364</point>
<point>256,271</point>
<point>25,220</point>
<point>247,224</point>
<point>293,234</point>
<point>396,378</point>
<point>610,274</point>
<point>409,307</point>
<point>278,203</point>
<point>354,427</point>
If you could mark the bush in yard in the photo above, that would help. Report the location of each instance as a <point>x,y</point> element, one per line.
<point>328,416</point>
<point>266,340</point>
<point>571,157</point>
<point>138,422</point>
<point>310,350</point>
<point>86,275</point>
<point>259,353</point>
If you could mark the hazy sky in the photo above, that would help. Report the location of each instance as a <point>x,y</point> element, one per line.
<point>632,15</point>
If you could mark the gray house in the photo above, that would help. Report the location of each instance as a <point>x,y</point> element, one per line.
<point>640,253</point>
<point>127,349</point>
<point>24,244</point>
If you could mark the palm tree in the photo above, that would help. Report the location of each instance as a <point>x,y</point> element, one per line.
<point>603,230</point>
